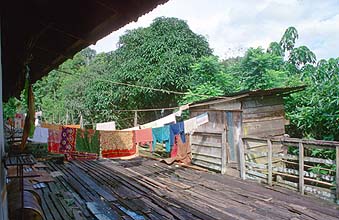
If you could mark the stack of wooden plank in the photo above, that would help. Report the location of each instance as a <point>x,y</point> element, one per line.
<point>147,189</point>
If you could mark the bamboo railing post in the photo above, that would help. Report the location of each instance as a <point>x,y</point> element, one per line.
<point>337,174</point>
<point>301,168</point>
<point>242,159</point>
<point>269,162</point>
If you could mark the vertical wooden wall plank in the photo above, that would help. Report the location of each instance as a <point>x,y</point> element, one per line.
<point>223,146</point>
<point>269,161</point>
<point>301,168</point>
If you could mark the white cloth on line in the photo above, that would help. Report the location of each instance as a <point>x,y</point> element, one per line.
<point>131,129</point>
<point>40,135</point>
<point>161,122</point>
<point>202,119</point>
<point>106,126</point>
<point>192,124</point>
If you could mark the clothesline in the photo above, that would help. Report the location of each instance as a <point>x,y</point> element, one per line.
<point>146,110</point>
<point>150,88</point>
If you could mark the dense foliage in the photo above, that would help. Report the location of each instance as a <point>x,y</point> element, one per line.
<point>168,55</point>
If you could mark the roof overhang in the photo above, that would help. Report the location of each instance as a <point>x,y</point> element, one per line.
<point>45,33</point>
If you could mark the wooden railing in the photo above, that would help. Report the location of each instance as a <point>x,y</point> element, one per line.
<point>280,161</point>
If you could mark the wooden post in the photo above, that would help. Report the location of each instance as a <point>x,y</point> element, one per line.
<point>301,168</point>
<point>337,174</point>
<point>135,118</point>
<point>223,146</point>
<point>269,162</point>
<point>242,159</point>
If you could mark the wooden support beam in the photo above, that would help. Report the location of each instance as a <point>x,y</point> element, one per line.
<point>301,168</point>
<point>242,159</point>
<point>269,162</point>
<point>337,174</point>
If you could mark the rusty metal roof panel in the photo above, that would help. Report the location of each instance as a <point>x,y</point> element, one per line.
<point>248,93</point>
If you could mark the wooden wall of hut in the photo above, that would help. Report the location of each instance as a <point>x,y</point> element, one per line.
<point>263,117</point>
<point>208,142</point>
<point>215,145</point>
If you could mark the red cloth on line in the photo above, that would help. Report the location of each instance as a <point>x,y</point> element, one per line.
<point>54,138</point>
<point>174,150</point>
<point>143,135</point>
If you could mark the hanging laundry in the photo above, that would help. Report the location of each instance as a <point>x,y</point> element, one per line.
<point>72,126</point>
<point>161,122</point>
<point>88,140</point>
<point>144,135</point>
<point>183,152</point>
<point>117,143</point>
<point>29,120</point>
<point>19,120</point>
<point>202,119</point>
<point>177,129</point>
<point>50,126</point>
<point>40,135</point>
<point>162,135</point>
<point>106,126</point>
<point>132,129</point>
<point>67,142</point>
<point>54,139</point>
<point>174,150</point>
<point>190,125</point>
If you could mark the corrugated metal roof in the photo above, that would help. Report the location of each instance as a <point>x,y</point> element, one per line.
<point>247,93</point>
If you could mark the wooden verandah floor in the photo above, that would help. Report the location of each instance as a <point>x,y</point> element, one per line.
<point>147,189</point>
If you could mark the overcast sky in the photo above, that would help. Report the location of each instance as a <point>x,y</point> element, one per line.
<point>231,26</point>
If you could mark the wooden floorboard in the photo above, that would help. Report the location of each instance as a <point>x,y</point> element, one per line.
<point>147,189</point>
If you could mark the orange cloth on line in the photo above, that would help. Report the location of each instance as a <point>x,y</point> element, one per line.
<point>143,135</point>
<point>72,126</point>
<point>51,126</point>
<point>117,143</point>
<point>183,153</point>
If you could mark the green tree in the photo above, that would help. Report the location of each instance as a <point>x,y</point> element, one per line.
<point>289,38</point>
<point>159,56</point>
<point>209,79</point>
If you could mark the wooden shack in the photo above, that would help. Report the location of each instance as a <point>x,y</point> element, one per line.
<point>259,113</point>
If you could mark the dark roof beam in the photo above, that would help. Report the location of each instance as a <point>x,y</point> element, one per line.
<point>51,51</point>
<point>72,35</point>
